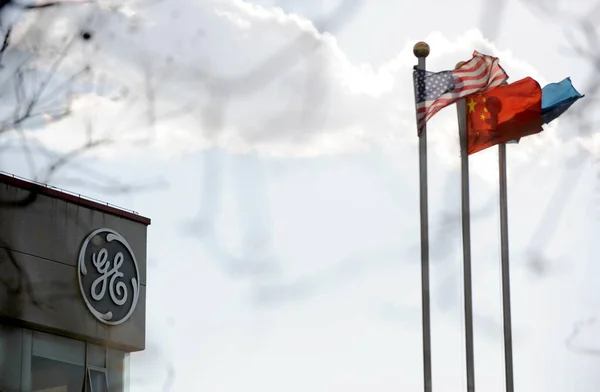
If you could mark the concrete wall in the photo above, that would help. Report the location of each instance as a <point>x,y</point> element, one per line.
<point>39,244</point>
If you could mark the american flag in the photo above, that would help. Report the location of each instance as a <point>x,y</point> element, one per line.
<point>434,91</point>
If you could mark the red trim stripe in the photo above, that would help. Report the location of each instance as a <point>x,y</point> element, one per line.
<point>53,193</point>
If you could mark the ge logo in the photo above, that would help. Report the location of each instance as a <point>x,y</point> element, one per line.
<point>108,276</point>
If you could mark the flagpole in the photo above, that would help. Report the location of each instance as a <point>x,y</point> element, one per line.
<point>508,348</point>
<point>421,51</point>
<point>466,236</point>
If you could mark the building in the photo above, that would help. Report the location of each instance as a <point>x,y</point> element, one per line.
<point>72,290</point>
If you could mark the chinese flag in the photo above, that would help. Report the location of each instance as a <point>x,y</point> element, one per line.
<point>504,113</point>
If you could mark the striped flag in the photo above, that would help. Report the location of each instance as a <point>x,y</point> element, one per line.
<point>436,90</point>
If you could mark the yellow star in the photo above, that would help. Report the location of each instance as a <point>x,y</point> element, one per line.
<point>472,105</point>
<point>482,116</point>
<point>485,110</point>
<point>484,100</point>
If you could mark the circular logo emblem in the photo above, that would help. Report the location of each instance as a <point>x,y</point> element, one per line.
<point>108,275</point>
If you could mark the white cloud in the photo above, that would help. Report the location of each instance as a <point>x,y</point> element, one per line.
<point>250,78</point>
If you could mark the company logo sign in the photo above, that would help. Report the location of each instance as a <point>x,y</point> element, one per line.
<point>109,278</point>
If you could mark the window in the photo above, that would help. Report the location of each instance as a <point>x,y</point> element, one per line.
<point>12,342</point>
<point>39,362</point>
<point>118,370</point>
<point>49,375</point>
<point>57,364</point>
<point>98,381</point>
<point>96,356</point>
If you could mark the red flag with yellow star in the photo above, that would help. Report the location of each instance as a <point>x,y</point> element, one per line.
<point>504,113</point>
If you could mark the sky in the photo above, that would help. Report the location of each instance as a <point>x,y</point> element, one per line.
<point>274,147</point>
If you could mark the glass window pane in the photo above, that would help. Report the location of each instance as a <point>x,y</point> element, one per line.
<point>118,368</point>
<point>58,348</point>
<point>96,356</point>
<point>49,375</point>
<point>57,364</point>
<point>11,342</point>
<point>98,380</point>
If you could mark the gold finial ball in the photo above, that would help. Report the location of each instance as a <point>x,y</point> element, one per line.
<point>421,49</point>
<point>459,64</point>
